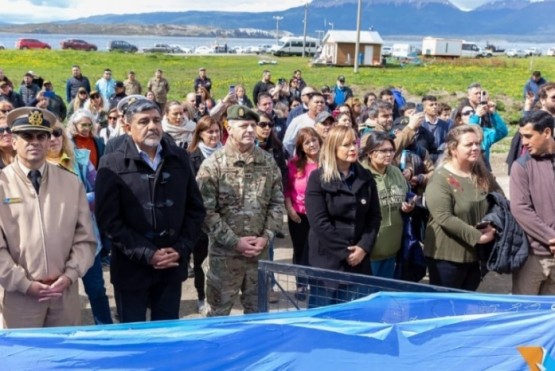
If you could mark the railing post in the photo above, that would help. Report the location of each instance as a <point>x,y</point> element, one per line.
<point>263,279</point>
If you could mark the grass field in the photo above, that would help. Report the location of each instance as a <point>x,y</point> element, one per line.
<point>504,78</point>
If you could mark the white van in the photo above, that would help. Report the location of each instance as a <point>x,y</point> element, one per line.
<point>471,50</point>
<point>294,46</point>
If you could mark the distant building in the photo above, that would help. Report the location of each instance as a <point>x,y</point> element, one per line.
<point>338,48</point>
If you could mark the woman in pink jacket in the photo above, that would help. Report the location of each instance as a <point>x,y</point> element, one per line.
<point>307,149</point>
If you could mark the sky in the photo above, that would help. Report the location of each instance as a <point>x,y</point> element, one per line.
<point>31,11</point>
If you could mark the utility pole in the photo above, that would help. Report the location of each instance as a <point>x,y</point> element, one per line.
<point>277,18</point>
<point>320,34</point>
<point>305,22</point>
<point>357,45</point>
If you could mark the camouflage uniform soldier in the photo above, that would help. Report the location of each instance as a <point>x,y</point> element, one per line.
<point>242,192</point>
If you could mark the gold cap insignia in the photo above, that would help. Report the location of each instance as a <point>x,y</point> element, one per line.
<point>241,112</point>
<point>35,118</point>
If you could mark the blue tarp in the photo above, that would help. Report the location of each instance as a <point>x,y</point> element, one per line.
<point>394,331</point>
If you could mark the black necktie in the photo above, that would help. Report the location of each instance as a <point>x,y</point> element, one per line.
<point>34,176</point>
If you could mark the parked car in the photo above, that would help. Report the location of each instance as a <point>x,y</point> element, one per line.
<point>219,49</point>
<point>204,50</point>
<point>160,48</point>
<point>265,48</point>
<point>76,44</point>
<point>31,44</point>
<point>387,51</point>
<point>533,52</point>
<point>123,46</point>
<point>252,50</point>
<point>516,53</point>
<point>180,49</point>
<point>236,50</point>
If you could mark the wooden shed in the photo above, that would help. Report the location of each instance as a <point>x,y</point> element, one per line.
<point>338,48</point>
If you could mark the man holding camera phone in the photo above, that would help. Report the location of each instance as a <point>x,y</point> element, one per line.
<point>483,107</point>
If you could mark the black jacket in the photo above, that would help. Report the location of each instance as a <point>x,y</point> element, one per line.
<point>141,210</point>
<point>340,217</point>
<point>514,151</point>
<point>196,157</point>
<point>14,98</point>
<point>510,248</point>
<point>274,147</point>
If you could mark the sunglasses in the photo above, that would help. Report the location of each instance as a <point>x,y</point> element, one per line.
<point>82,93</point>
<point>57,132</point>
<point>27,136</point>
<point>5,110</point>
<point>264,125</point>
<point>95,96</point>
<point>5,130</point>
<point>84,124</point>
<point>467,113</point>
<point>327,123</point>
<point>112,117</point>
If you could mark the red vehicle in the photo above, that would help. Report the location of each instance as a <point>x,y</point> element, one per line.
<point>31,44</point>
<point>76,44</point>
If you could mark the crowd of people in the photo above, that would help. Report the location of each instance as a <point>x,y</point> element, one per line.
<point>163,189</point>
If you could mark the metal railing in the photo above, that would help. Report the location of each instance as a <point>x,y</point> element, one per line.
<point>299,287</point>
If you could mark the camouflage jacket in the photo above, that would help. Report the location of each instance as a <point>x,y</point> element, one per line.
<point>243,196</point>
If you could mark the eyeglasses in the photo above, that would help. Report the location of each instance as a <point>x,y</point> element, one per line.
<point>28,136</point>
<point>84,124</point>
<point>264,125</point>
<point>385,151</point>
<point>467,113</point>
<point>5,130</point>
<point>112,117</point>
<point>57,132</point>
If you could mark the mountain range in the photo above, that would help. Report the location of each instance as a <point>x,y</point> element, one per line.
<point>389,17</point>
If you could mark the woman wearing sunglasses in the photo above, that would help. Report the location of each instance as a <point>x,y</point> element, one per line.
<point>62,153</point>
<point>7,152</point>
<point>80,129</point>
<point>268,141</point>
<point>99,108</point>
<point>78,101</point>
<point>466,115</point>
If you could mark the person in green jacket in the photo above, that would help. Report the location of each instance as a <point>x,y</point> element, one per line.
<point>379,151</point>
<point>456,198</point>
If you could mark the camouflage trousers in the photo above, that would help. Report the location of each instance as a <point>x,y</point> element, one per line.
<point>226,277</point>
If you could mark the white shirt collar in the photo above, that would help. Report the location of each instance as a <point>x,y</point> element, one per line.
<point>26,170</point>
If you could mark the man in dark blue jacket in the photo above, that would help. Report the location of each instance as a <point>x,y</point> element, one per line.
<point>533,86</point>
<point>149,206</point>
<point>76,81</point>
